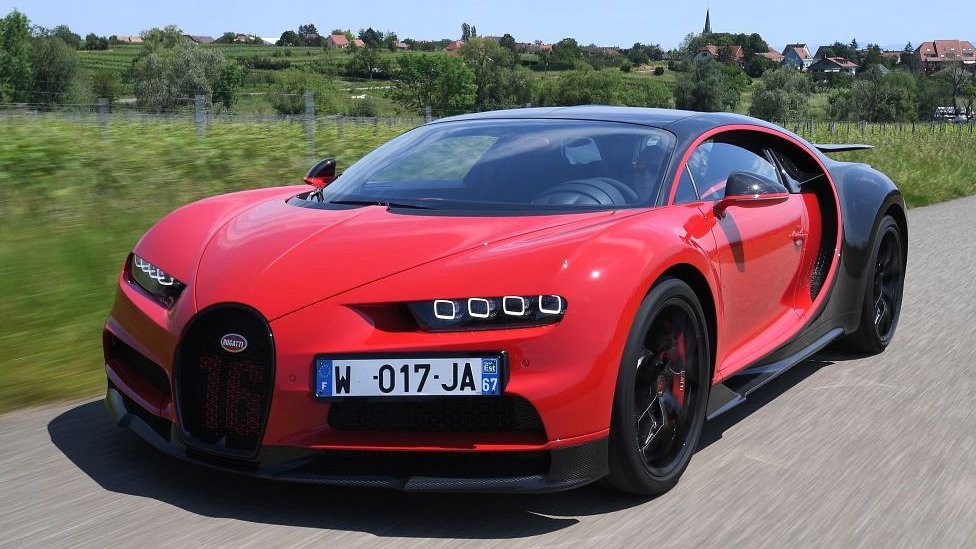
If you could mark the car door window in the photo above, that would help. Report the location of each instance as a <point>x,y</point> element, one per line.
<point>712,162</point>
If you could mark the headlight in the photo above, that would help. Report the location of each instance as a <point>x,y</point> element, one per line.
<point>160,285</point>
<point>487,313</point>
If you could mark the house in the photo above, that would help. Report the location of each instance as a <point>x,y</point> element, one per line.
<point>454,46</point>
<point>359,43</point>
<point>834,65</point>
<point>714,52</point>
<point>934,55</point>
<point>895,56</point>
<point>128,39</point>
<point>337,41</point>
<point>401,45</point>
<point>199,39</point>
<point>244,38</point>
<point>772,55</point>
<point>797,56</point>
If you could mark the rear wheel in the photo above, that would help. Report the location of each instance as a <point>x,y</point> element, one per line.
<point>884,283</point>
<point>661,393</point>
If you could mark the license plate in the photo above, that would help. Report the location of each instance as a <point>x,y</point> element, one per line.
<point>413,377</point>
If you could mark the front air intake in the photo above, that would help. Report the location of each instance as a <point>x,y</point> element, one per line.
<point>224,376</point>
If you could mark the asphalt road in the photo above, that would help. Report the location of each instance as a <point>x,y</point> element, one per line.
<point>839,452</point>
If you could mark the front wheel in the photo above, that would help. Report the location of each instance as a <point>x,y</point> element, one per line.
<point>661,393</point>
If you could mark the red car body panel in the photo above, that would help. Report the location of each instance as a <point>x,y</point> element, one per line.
<point>336,281</point>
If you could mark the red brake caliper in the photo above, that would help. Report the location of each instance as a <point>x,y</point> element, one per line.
<point>678,381</point>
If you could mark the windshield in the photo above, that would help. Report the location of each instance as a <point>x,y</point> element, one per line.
<point>508,165</point>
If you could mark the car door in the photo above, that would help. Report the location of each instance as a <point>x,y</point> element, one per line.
<point>758,249</point>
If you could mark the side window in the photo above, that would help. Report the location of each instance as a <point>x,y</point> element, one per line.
<point>686,192</point>
<point>712,163</point>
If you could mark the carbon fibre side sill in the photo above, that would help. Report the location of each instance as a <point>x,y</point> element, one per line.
<point>723,398</point>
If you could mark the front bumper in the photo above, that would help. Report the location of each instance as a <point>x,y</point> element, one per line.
<point>551,470</point>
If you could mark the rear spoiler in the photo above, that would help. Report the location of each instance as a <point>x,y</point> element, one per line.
<point>837,148</point>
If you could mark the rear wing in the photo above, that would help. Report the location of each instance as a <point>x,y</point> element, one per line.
<point>836,148</point>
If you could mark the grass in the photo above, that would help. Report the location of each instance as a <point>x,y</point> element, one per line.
<point>75,197</point>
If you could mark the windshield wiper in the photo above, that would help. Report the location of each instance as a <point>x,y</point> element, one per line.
<point>417,205</point>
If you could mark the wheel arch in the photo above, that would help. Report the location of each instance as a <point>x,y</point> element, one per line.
<point>696,280</point>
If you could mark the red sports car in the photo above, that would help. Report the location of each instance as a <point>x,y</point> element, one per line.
<point>519,300</point>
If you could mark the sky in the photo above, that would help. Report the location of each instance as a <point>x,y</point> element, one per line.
<point>605,23</point>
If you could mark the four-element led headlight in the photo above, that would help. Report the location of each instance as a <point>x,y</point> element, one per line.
<point>486,313</point>
<point>160,285</point>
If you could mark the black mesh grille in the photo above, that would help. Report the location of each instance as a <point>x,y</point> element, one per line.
<point>452,414</point>
<point>139,365</point>
<point>820,269</point>
<point>223,397</point>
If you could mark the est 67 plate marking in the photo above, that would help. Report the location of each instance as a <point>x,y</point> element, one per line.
<point>378,377</point>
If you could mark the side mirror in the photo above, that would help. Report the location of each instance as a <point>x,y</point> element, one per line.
<point>750,190</point>
<point>322,173</point>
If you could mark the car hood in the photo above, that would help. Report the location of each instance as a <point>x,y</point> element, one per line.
<point>279,258</point>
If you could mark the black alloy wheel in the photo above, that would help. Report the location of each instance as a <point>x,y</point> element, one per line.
<point>662,391</point>
<point>884,285</point>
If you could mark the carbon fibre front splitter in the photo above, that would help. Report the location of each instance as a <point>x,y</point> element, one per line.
<point>568,468</point>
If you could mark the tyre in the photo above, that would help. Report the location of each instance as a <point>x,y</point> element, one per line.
<point>661,393</point>
<point>883,286</point>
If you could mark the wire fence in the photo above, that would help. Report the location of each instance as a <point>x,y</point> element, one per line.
<point>203,116</point>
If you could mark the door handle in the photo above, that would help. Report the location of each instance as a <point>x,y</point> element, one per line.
<point>799,237</point>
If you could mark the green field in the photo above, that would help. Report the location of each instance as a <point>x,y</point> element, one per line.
<point>75,197</point>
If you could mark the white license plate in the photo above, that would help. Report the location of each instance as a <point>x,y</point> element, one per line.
<point>388,377</point>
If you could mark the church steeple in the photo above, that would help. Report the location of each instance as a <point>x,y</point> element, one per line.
<point>708,22</point>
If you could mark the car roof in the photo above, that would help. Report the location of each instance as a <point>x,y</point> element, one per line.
<point>661,118</point>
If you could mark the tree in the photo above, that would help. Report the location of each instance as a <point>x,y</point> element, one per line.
<point>782,94</point>
<point>390,41</point>
<point>933,91</point>
<point>105,83</point>
<point>372,38</point>
<point>872,57</point>
<point>94,42</point>
<point>167,37</point>
<point>705,87</point>
<point>289,38</point>
<point>226,38</point>
<point>642,54</point>
<point>907,57</point>
<point>756,65</point>
<point>365,62</point>
<point>291,84</point>
<point>959,77</point>
<point>507,41</point>
<point>71,39</point>
<point>608,87</point>
<point>165,76</point>
<point>309,35</point>
<point>54,67</point>
<point>15,58</point>
<point>465,32</point>
<point>227,84</point>
<point>486,58</point>
<point>876,97</point>
<point>567,51</point>
<point>446,84</point>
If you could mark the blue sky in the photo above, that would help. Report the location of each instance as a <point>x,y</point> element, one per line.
<point>605,23</point>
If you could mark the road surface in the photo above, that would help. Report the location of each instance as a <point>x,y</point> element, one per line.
<point>838,452</point>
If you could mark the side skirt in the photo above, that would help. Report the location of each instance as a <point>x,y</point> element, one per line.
<point>733,391</point>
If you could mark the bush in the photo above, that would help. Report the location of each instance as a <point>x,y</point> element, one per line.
<point>290,85</point>
<point>658,71</point>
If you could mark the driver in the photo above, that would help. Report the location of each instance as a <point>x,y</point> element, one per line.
<point>647,172</point>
